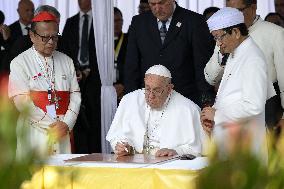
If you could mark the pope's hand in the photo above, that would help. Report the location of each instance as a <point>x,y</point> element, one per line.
<point>122,149</point>
<point>58,130</point>
<point>165,152</point>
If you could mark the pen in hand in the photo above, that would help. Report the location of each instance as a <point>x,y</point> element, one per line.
<point>125,149</point>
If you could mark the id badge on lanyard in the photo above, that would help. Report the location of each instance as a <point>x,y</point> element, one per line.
<point>50,109</point>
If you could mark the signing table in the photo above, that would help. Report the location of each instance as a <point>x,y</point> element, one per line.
<point>171,174</point>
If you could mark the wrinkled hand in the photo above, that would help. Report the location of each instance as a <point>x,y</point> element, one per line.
<point>58,130</point>
<point>207,119</point>
<point>5,31</point>
<point>120,149</point>
<point>119,90</point>
<point>165,152</point>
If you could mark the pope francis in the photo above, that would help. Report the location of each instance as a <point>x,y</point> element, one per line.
<point>156,120</point>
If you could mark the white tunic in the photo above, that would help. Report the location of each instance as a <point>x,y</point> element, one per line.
<point>175,126</point>
<point>270,39</point>
<point>242,94</point>
<point>26,76</point>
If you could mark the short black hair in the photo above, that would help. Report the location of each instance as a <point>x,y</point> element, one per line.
<point>272,14</point>
<point>144,1</point>
<point>210,10</point>
<point>248,2</point>
<point>49,9</point>
<point>2,17</point>
<point>242,27</point>
<point>117,11</point>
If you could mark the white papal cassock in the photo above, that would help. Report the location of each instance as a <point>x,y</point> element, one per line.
<point>174,126</point>
<point>28,87</point>
<point>242,95</point>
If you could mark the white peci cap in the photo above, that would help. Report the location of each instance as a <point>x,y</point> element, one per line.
<point>225,18</point>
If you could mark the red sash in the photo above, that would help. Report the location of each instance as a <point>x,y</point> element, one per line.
<point>40,100</point>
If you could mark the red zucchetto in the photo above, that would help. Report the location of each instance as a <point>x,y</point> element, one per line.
<point>44,16</point>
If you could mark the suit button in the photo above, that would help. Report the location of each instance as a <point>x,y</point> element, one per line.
<point>161,55</point>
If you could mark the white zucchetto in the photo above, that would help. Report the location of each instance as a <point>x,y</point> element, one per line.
<point>225,18</point>
<point>159,70</point>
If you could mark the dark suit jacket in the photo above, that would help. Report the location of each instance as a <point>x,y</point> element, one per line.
<point>70,46</point>
<point>4,66</point>
<point>121,57</point>
<point>186,50</point>
<point>89,118</point>
<point>16,31</point>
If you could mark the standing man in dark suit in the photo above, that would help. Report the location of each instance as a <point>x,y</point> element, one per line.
<point>18,29</point>
<point>120,46</point>
<point>21,26</point>
<point>176,38</point>
<point>78,42</point>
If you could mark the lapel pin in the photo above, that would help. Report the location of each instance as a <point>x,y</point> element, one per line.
<point>178,24</point>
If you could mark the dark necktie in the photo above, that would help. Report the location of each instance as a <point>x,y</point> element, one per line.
<point>28,29</point>
<point>163,31</point>
<point>84,56</point>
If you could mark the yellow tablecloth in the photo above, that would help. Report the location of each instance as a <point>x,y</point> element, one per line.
<point>72,177</point>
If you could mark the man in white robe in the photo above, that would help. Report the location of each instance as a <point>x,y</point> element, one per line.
<point>269,38</point>
<point>44,81</point>
<point>156,120</point>
<point>242,92</point>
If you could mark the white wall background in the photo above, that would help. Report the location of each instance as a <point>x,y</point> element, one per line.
<point>129,8</point>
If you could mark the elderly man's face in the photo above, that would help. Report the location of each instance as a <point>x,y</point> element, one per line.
<point>157,89</point>
<point>45,37</point>
<point>248,11</point>
<point>227,42</point>
<point>26,11</point>
<point>162,9</point>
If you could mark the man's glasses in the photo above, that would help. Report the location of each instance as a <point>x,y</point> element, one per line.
<point>45,39</point>
<point>220,38</point>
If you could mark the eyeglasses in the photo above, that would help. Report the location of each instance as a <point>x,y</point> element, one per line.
<point>220,38</point>
<point>45,39</point>
<point>155,92</point>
